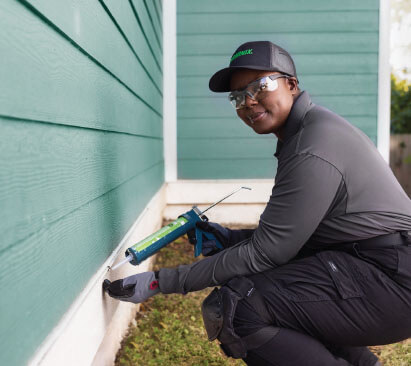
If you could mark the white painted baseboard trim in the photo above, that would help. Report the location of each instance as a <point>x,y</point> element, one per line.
<point>91,330</point>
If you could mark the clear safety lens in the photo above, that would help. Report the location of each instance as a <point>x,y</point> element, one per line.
<point>266,83</point>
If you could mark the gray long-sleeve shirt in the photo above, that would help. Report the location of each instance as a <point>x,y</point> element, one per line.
<point>331,186</point>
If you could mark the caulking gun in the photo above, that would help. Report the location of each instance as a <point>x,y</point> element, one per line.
<point>167,234</point>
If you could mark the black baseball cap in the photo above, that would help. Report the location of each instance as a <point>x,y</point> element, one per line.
<point>260,55</point>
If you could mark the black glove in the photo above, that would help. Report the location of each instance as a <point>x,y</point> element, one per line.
<point>136,288</point>
<point>209,248</point>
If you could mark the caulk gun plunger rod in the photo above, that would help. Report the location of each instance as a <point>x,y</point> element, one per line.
<point>216,203</point>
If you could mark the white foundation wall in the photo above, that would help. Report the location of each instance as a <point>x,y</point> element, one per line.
<point>91,331</point>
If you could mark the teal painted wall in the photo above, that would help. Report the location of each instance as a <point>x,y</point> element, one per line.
<point>80,150</point>
<point>335,47</point>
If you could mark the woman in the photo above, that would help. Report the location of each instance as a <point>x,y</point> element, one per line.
<point>327,271</point>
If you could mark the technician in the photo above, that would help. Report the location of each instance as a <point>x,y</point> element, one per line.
<point>327,271</point>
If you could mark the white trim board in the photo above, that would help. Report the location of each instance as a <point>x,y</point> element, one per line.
<point>243,208</point>
<point>170,89</point>
<point>207,191</point>
<point>94,319</point>
<point>384,84</point>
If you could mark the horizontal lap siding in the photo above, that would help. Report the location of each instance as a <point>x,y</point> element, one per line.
<point>335,48</point>
<point>80,150</point>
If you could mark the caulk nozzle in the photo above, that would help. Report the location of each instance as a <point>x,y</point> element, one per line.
<point>127,259</point>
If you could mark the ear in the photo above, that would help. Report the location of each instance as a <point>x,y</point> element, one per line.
<point>292,84</point>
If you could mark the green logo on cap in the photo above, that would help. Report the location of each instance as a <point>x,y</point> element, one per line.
<point>241,53</point>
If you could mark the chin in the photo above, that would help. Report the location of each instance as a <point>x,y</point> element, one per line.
<point>261,131</point>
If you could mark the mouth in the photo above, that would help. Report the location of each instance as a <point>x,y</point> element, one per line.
<point>256,117</point>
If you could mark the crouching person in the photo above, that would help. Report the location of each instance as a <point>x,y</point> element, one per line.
<point>327,272</point>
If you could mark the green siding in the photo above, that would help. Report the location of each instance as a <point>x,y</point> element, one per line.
<point>234,6</point>
<point>81,150</point>
<point>335,48</point>
<point>151,34</point>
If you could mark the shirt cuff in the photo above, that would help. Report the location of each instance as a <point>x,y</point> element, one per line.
<point>168,280</point>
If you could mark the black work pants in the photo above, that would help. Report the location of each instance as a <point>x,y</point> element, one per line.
<point>331,305</point>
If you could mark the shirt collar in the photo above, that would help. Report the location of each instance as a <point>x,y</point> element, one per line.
<point>294,121</point>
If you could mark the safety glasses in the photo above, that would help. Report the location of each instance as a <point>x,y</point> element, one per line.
<point>255,90</point>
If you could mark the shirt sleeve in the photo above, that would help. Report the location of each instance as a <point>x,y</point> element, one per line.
<point>239,235</point>
<point>301,197</point>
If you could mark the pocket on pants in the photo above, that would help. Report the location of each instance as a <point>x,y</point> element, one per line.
<point>342,273</point>
<point>325,276</point>
<point>403,274</point>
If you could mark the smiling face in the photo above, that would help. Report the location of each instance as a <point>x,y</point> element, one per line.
<point>269,113</point>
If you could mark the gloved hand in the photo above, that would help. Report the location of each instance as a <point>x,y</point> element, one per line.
<point>136,288</point>
<point>221,233</point>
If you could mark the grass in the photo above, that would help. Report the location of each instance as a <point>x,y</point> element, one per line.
<point>169,328</point>
<point>397,354</point>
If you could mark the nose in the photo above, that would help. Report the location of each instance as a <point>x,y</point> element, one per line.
<point>249,102</point>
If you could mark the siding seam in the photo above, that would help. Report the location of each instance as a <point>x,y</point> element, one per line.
<point>311,94</point>
<point>21,119</point>
<point>375,10</point>
<point>264,33</point>
<point>182,76</point>
<point>294,53</point>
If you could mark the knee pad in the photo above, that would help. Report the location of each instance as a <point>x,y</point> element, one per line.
<point>218,314</point>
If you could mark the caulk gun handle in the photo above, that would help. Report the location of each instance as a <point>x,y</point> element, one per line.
<point>199,241</point>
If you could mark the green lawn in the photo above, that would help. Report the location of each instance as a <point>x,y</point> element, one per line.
<point>170,330</point>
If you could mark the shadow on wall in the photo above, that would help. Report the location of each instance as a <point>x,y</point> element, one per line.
<point>400,159</point>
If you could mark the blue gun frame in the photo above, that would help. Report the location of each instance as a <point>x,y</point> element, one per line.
<point>192,217</point>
